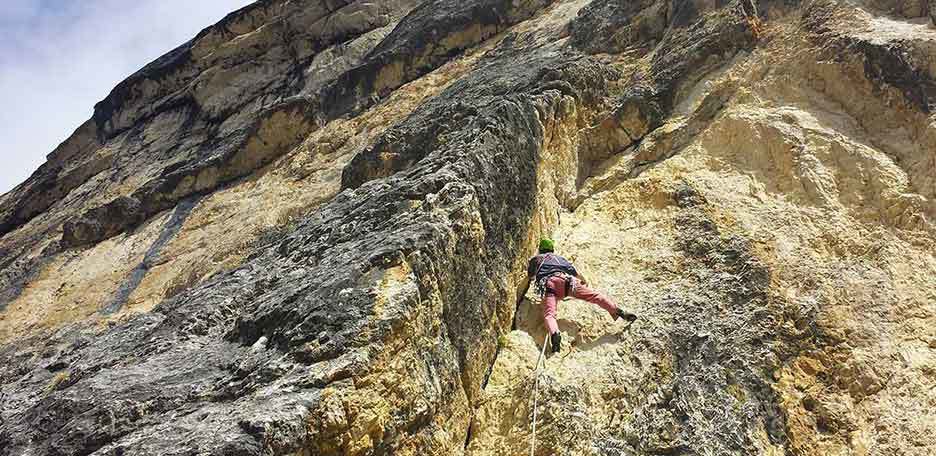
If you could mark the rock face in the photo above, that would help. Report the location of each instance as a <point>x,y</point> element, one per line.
<point>301,233</point>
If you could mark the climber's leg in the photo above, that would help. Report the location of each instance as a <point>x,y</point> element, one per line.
<point>549,312</point>
<point>587,294</point>
<point>555,291</point>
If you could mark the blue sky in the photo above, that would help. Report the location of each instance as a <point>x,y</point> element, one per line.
<point>60,57</point>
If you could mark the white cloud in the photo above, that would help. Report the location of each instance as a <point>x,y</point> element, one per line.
<point>60,57</point>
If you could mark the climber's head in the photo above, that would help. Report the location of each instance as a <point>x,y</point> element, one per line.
<point>547,246</point>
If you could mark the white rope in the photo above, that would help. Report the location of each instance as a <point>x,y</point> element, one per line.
<point>537,373</point>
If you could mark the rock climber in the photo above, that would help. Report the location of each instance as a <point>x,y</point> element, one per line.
<point>555,279</point>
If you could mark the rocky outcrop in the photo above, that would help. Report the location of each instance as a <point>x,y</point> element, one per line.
<point>301,233</point>
<point>904,8</point>
<point>410,50</point>
<point>615,26</point>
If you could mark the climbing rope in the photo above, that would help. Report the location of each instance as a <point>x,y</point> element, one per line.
<point>537,372</point>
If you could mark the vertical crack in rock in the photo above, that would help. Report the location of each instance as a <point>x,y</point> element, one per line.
<point>169,231</point>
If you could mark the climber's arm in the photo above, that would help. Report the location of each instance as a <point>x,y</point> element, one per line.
<point>521,293</point>
<point>522,288</point>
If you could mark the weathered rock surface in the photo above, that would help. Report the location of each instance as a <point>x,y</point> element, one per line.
<point>301,232</point>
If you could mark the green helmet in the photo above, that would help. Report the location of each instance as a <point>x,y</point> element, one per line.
<point>547,246</point>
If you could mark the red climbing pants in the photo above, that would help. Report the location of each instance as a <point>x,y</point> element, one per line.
<point>580,291</point>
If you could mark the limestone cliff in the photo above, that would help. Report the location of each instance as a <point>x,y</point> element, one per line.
<point>301,233</point>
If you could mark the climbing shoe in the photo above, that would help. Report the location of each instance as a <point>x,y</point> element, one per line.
<point>627,316</point>
<point>556,340</point>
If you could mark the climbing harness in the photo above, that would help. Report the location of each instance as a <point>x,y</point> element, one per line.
<point>537,373</point>
<point>569,285</point>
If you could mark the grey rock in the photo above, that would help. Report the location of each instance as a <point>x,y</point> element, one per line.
<point>613,26</point>
<point>201,341</point>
